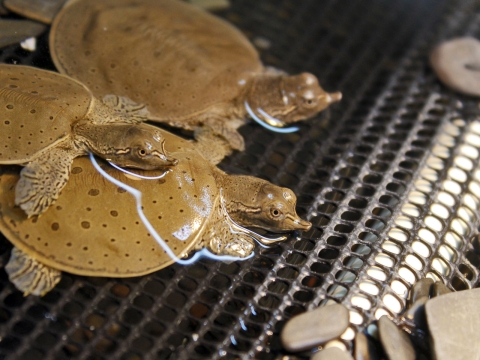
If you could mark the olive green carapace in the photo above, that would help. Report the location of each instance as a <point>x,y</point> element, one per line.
<point>189,67</point>
<point>94,229</point>
<point>48,119</point>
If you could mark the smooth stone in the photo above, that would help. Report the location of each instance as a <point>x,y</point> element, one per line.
<point>439,288</point>
<point>363,349</point>
<point>419,290</point>
<point>15,31</point>
<point>457,64</point>
<point>454,324</point>
<point>316,327</point>
<point>39,10</point>
<point>416,313</point>
<point>332,353</point>
<point>475,240</point>
<point>395,342</point>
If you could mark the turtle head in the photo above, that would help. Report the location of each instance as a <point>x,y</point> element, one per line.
<point>253,202</point>
<point>278,212</point>
<point>288,99</point>
<point>141,147</point>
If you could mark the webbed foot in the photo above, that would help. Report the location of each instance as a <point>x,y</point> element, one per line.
<point>237,245</point>
<point>213,147</point>
<point>30,276</point>
<point>42,180</point>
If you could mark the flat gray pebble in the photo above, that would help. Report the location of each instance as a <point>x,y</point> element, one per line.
<point>362,349</point>
<point>332,353</point>
<point>439,288</point>
<point>420,290</point>
<point>416,313</point>
<point>315,327</point>
<point>15,31</point>
<point>395,342</point>
<point>454,324</point>
<point>457,64</point>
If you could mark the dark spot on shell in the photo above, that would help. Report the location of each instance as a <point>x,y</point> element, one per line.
<point>105,255</point>
<point>181,210</point>
<point>46,244</point>
<point>90,262</point>
<point>59,207</point>
<point>85,248</point>
<point>114,213</point>
<point>160,217</point>
<point>69,244</point>
<point>171,197</point>
<point>9,106</point>
<point>55,226</point>
<point>89,209</point>
<point>94,192</point>
<point>7,122</point>
<point>77,170</point>
<point>112,240</point>
<point>33,111</point>
<point>70,258</point>
<point>85,225</point>
<point>121,190</point>
<point>51,117</point>
<point>13,86</point>
<point>127,255</point>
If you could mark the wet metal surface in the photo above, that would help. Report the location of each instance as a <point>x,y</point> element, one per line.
<point>389,177</point>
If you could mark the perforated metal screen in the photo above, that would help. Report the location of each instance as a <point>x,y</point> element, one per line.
<point>389,177</point>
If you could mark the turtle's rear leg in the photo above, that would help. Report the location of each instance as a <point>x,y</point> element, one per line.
<point>30,276</point>
<point>42,180</point>
<point>213,147</point>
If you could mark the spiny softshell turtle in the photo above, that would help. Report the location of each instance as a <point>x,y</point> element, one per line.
<point>189,67</point>
<point>94,228</point>
<point>48,119</point>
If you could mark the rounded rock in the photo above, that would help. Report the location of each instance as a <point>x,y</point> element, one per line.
<point>457,64</point>
<point>315,327</point>
<point>332,353</point>
<point>395,342</point>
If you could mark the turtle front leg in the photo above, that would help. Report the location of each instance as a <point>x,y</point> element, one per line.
<point>238,245</point>
<point>30,276</point>
<point>42,179</point>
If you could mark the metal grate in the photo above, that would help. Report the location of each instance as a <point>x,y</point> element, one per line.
<point>389,177</point>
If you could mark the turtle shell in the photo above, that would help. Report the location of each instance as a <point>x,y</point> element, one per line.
<point>94,229</point>
<point>37,108</point>
<point>175,58</point>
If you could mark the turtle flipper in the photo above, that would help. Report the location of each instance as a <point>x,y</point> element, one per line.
<point>42,180</point>
<point>227,129</point>
<point>240,245</point>
<point>30,276</point>
<point>129,110</point>
<point>213,147</point>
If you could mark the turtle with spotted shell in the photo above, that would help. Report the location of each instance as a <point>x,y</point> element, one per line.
<point>47,119</point>
<point>94,228</point>
<point>190,68</point>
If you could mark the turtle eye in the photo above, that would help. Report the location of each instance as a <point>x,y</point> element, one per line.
<point>309,102</point>
<point>142,152</point>
<point>275,212</point>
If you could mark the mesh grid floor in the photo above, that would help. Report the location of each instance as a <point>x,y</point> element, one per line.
<point>354,170</point>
